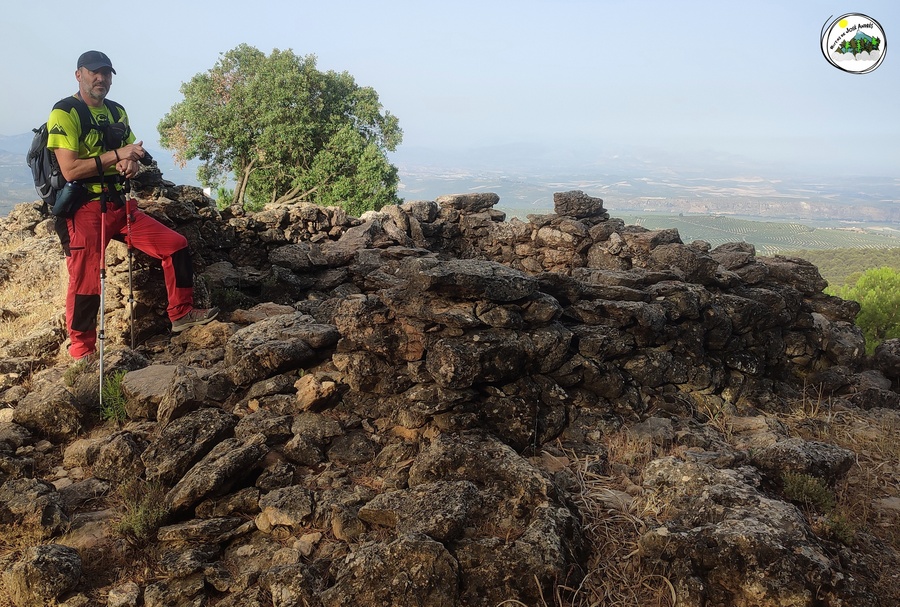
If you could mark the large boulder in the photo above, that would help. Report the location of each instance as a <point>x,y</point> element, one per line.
<point>577,204</point>
<point>33,504</point>
<point>52,412</point>
<point>276,344</point>
<point>887,358</point>
<point>726,542</point>
<point>179,445</point>
<point>43,574</point>
<point>411,570</point>
<point>226,464</point>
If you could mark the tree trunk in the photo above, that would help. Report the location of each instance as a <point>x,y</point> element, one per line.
<point>237,203</point>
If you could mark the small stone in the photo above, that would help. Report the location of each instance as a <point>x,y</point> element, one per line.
<point>126,595</point>
<point>345,525</point>
<point>62,483</point>
<point>307,543</point>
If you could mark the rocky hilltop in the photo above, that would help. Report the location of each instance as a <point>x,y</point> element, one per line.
<point>431,405</point>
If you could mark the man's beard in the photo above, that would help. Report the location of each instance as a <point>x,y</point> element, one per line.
<point>96,94</point>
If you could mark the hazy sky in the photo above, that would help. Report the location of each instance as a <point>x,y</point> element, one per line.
<point>739,78</point>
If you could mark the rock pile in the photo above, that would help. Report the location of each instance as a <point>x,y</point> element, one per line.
<point>375,418</point>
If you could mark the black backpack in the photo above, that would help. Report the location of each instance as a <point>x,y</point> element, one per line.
<point>48,178</point>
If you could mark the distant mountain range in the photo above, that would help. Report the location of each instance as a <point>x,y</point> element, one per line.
<point>16,184</point>
<point>526,176</point>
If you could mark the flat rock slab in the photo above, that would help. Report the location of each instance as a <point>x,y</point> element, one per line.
<point>217,472</point>
<point>276,344</point>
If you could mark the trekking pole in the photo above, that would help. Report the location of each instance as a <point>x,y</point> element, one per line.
<point>101,335</point>
<point>145,160</point>
<point>128,201</point>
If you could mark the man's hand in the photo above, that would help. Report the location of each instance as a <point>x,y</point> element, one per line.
<point>74,168</point>
<point>127,168</point>
<point>132,151</point>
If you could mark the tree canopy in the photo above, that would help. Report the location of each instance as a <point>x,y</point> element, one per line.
<point>286,132</point>
<point>878,293</point>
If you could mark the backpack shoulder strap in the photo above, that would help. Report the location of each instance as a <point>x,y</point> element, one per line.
<point>84,114</point>
<point>115,109</point>
<point>67,103</point>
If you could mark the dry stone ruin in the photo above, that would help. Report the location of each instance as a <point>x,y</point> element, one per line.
<point>380,414</point>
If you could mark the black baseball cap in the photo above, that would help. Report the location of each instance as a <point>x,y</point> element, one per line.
<point>94,60</point>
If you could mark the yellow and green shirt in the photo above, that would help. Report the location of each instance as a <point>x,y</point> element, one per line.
<point>64,131</point>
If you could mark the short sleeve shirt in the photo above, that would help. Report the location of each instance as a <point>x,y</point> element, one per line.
<point>64,131</point>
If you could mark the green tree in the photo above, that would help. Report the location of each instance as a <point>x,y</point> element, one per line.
<point>286,132</point>
<point>224,197</point>
<point>878,293</point>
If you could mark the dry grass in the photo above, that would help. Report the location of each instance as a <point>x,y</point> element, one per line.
<point>143,510</point>
<point>5,601</point>
<point>875,475</point>
<point>615,514</point>
<point>614,524</point>
<point>30,314</point>
<point>32,307</point>
<point>14,540</point>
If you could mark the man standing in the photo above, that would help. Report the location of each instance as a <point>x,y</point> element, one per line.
<point>100,156</point>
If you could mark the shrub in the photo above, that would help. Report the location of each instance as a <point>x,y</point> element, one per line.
<point>112,406</point>
<point>878,293</point>
<point>808,491</point>
<point>144,511</point>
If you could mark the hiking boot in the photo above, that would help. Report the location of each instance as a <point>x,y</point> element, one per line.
<point>88,359</point>
<point>196,317</point>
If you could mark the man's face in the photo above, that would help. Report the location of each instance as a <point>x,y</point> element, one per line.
<point>94,84</point>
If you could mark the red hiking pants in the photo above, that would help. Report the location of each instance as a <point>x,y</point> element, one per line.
<point>80,237</point>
